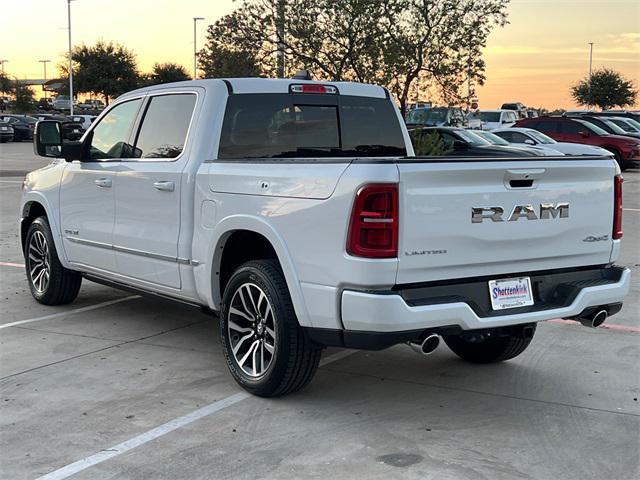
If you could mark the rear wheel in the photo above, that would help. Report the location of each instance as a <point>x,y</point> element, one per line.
<point>50,283</point>
<point>266,351</point>
<point>491,346</point>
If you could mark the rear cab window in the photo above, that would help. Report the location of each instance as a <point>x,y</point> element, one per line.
<point>290,125</point>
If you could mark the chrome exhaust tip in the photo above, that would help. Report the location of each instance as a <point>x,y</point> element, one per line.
<point>427,346</point>
<point>594,319</point>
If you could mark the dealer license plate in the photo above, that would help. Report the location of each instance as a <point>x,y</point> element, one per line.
<point>510,293</point>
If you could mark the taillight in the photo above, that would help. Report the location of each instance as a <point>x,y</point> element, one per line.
<point>373,231</point>
<point>617,207</point>
<point>313,88</point>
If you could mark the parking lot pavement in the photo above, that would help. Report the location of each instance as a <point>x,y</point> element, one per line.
<point>118,386</point>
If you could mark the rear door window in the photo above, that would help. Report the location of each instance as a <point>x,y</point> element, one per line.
<point>547,126</point>
<point>164,126</point>
<point>309,126</point>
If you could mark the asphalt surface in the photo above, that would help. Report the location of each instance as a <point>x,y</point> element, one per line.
<point>137,388</point>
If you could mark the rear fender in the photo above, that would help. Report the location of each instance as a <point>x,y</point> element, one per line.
<point>207,278</point>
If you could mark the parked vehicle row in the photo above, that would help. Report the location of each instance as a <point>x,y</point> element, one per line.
<point>20,127</point>
<point>625,149</point>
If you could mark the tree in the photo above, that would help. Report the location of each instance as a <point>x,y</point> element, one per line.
<point>24,97</point>
<point>5,84</point>
<point>106,69</point>
<point>227,54</point>
<point>390,42</point>
<point>167,73</point>
<point>606,89</point>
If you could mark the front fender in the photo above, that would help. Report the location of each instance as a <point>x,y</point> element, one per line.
<point>28,199</point>
<point>206,274</point>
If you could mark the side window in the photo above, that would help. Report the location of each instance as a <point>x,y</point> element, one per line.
<point>519,137</point>
<point>571,128</point>
<point>164,126</point>
<point>508,136</point>
<point>111,136</point>
<point>547,127</point>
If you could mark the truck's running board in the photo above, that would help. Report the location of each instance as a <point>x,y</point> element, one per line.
<point>145,293</point>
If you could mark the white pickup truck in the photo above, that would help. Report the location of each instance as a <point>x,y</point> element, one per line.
<point>297,211</point>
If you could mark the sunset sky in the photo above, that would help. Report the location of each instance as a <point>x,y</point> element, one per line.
<point>534,59</point>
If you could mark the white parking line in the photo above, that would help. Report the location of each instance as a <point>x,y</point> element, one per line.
<point>631,209</point>
<point>10,181</point>
<point>10,264</point>
<point>159,431</point>
<point>69,312</point>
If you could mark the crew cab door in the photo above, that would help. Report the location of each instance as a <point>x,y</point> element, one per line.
<point>148,197</point>
<point>87,202</point>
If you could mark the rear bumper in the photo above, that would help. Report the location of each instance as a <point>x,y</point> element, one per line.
<point>560,294</point>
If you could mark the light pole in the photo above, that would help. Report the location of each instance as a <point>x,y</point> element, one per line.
<point>70,61</point>
<point>2,62</point>
<point>44,63</point>
<point>590,64</point>
<point>195,50</point>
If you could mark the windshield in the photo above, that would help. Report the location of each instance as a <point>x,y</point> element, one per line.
<point>491,138</point>
<point>615,128</point>
<point>627,124</point>
<point>541,137</point>
<point>593,128</point>
<point>427,116</point>
<point>279,125</point>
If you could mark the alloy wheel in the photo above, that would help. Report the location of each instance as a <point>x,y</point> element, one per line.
<point>39,260</point>
<point>251,329</point>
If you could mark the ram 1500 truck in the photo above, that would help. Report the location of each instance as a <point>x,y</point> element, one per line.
<point>298,212</point>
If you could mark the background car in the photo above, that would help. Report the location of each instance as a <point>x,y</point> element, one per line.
<point>609,126</point>
<point>518,107</point>
<point>44,104</point>
<point>492,119</point>
<point>6,132</point>
<point>461,142</point>
<point>529,136</point>
<point>635,115</point>
<point>22,125</point>
<point>626,150</point>
<point>71,130</point>
<point>93,104</point>
<point>627,124</point>
<point>84,120</point>
<point>437,117</point>
<point>496,140</point>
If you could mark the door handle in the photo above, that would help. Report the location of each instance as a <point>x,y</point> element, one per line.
<point>103,182</point>
<point>164,186</point>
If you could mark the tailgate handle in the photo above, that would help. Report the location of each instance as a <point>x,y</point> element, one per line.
<point>529,174</point>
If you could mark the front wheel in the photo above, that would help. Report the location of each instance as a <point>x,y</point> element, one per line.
<point>266,351</point>
<point>491,346</point>
<point>50,283</point>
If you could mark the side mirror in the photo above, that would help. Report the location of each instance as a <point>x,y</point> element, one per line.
<point>583,133</point>
<point>47,139</point>
<point>528,141</point>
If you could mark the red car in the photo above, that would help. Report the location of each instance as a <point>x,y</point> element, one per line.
<point>575,130</point>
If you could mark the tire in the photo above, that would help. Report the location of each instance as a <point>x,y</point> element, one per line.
<point>50,283</point>
<point>491,347</point>
<point>283,359</point>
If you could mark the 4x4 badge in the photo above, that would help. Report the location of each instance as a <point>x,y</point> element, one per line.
<point>591,238</point>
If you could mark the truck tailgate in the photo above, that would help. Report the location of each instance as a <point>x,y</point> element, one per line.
<point>439,239</point>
